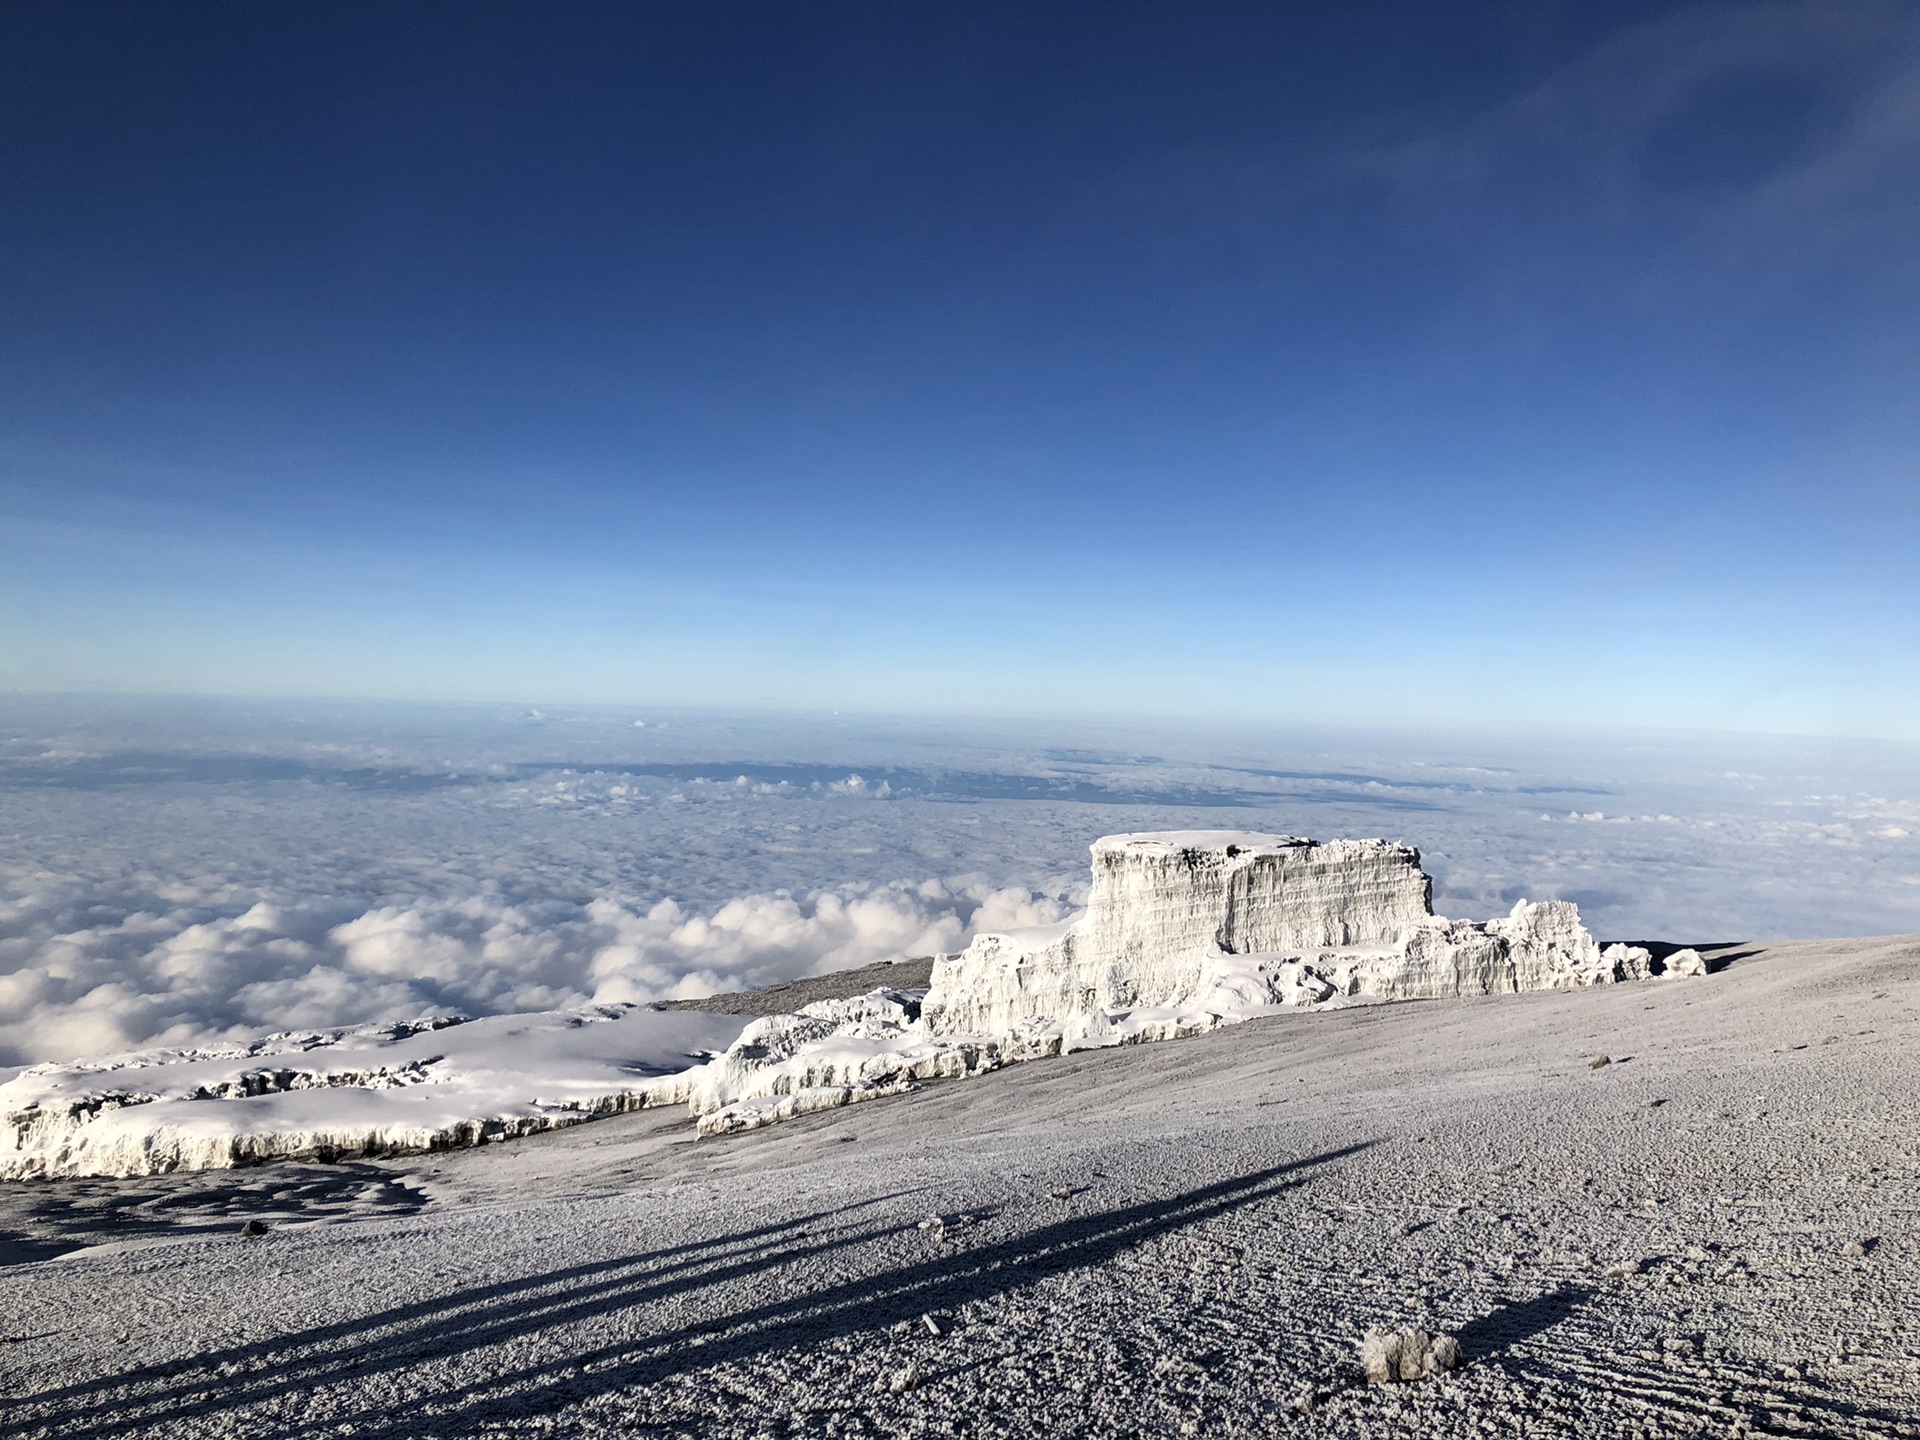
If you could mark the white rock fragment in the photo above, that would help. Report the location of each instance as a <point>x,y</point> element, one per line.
<point>1629,962</point>
<point>1636,962</point>
<point>1401,1356</point>
<point>1686,962</point>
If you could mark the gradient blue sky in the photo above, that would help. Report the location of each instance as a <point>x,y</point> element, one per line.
<point>1473,362</point>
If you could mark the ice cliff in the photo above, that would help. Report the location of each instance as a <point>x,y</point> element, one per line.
<point>1183,932</point>
<point>1220,922</point>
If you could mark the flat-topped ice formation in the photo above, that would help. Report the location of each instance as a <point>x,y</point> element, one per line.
<point>1218,922</point>
<point>1161,905</point>
<point>1183,932</point>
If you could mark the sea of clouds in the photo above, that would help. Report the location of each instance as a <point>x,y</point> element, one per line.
<point>173,872</point>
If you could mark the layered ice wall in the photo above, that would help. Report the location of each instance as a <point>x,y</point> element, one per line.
<point>1162,904</point>
<point>1219,921</point>
<point>1160,901</point>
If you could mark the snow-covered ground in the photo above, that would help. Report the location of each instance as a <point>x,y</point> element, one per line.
<point>369,1090</point>
<point>1713,1234</point>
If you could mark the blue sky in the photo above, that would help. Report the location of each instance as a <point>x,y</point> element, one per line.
<point>1466,363</point>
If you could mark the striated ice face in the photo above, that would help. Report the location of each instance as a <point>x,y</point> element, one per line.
<point>1180,892</point>
<point>1223,920</point>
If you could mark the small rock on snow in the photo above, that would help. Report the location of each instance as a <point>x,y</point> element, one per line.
<point>1390,1356</point>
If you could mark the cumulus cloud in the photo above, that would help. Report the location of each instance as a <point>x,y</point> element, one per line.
<point>86,973</point>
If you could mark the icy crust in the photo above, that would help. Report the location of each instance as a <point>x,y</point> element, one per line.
<point>435,1084</point>
<point>831,1053</point>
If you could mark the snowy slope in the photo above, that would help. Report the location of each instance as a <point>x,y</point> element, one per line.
<point>333,1094</point>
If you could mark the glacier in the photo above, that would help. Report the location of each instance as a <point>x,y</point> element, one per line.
<point>1220,922</point>
<point>433,1084</point>
<point>1184,931</point>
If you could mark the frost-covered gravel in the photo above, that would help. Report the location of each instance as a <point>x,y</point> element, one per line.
<point>1184,1238</point>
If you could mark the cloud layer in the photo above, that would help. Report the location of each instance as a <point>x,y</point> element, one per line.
<point>84,973</point>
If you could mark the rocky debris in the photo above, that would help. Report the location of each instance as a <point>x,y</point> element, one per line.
<point>1401,1356</point>
<point>938,1227</point>
<point>254,1227</point>
<point>1861,1248</point>
<point>1629,962</point>
<point>1636,962</point>
<point>903,1380</point>
<point>1599,1062</point>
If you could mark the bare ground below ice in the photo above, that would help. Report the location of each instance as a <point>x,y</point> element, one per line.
<point>1712,1234</point>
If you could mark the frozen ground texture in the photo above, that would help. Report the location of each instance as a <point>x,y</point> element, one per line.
<point>174,872</point>
<point>1185,931</point>
<point>1714,1234</point>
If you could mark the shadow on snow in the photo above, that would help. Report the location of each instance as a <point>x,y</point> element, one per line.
<point>599,1361</point>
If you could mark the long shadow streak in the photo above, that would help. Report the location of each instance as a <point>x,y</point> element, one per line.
<point>399,1339</point>
<point>747,1251</point>
<point>861,1304</point>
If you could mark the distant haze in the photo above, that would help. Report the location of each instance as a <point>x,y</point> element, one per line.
<point>1394,363</point>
